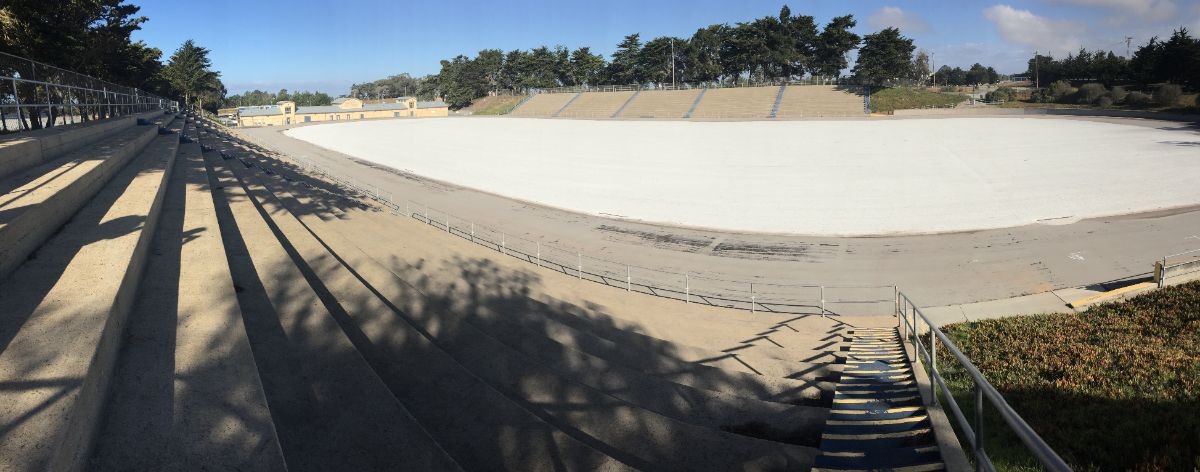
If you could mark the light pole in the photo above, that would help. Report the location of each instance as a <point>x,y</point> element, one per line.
<point>1037,82</point>
<point>672,62</point>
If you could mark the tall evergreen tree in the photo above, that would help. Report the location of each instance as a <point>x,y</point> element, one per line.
<point>834,42</point>
<point>189,71</point>
<point>884,56</point>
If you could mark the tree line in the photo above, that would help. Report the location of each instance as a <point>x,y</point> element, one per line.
<point>1174,61</point>
<point>976,75</point>
<point>93,37</point>
<point>765,50</point>
<point>258,98</point>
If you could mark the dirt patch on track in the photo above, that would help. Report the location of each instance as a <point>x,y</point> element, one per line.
<point>660,240</point>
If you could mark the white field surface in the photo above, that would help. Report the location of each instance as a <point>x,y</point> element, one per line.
<point>800,177</point>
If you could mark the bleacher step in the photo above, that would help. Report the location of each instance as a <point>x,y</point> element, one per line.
<point>186,389</point>
<point>454,405</point>
<point>27,149</point>
<point>65,313</point>
<point>41,199</point>
<point>330,409</point>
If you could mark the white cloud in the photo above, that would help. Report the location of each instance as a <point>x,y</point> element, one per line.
<point>1147,10</point>
<point>895,17</point>
<point>1022,27</point>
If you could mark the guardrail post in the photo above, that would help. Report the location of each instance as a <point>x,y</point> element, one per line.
<point>822,301</point>
<point>539,253</point>
<point>896,293</point>
<point>687,289</point>
<point>932,368</point>
<point>978,428</point>
<point>628,279</point>
<point>1162,273</point>
<point>752,301</point>
<point>503,243</point>
<point>580,265</point>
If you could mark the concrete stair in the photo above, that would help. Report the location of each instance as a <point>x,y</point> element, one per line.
<point>660,104</point>
<point>878,421</point>
<point>543,105</point>
<point>38,200</point>
<point>596,105</point>
<point>330,408</point>
<point>186,380</point>
<point>737,102</point>
<point>21,151</point>
<point>64,311</point>
<point>806,101</point>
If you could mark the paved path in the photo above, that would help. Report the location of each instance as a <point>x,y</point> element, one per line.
<point>935,270</point>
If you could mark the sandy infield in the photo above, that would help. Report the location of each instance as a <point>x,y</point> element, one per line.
<point>798,177</point>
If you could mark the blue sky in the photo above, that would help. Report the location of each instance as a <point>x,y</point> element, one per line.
<point>326,45</point>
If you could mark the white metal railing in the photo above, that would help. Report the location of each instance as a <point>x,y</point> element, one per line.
<point>1175,265</point>
<point>34,95</point>
<point>924,351</point>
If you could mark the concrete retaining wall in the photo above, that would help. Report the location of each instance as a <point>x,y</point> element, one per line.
<point>32,148</point>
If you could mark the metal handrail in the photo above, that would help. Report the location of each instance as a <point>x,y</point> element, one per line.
<point>39,91</point>
<point>906,309</point>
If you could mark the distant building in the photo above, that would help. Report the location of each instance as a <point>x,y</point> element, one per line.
<point>286,113</point>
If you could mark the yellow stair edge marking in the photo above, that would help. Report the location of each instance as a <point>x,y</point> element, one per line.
<point>924,467</point>
<point>911,419</point>
<point>869,436</point>
<point>1099,297</point>
<point>873,400</point>
<point>899,409</point>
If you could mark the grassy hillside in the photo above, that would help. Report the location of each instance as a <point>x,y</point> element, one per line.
<point>903,98</point>
<point>498,105</point>
<point>1114,388</point>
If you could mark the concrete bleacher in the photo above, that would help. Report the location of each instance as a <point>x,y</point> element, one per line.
<point>596,105</point>
<point>65,309</point>
<point>737,103</point>
<point>543,105</point>
<point>670,104</point>
<point>800,101</point>
<point>188,300</point>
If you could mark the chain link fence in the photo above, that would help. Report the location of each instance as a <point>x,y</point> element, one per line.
<point>34,95</point>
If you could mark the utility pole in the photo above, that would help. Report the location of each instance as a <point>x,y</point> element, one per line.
<point>1037,82</point>
<point>672,62</point>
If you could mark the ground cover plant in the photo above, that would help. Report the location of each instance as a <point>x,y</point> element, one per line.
<point>1114,388</point>
<point>902,98</point>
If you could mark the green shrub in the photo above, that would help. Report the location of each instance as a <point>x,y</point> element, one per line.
<point>1090,93</point>
<point>1105,102</point>
<point>1002,94</point>
<point>1061,90</point>
<point>1137,99</point>
<point>1041,96</point>
<point>1168,95</point>
<point>1118,93</point>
